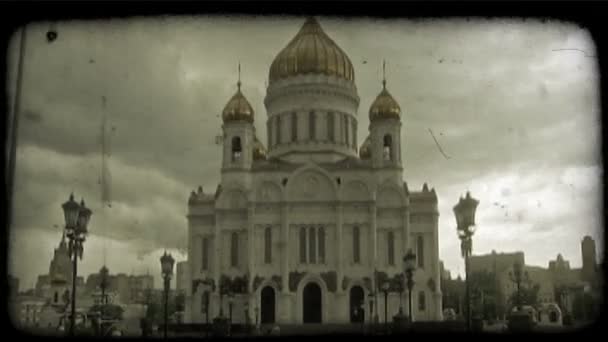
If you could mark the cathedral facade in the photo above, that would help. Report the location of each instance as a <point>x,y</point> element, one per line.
<point>314,227</point>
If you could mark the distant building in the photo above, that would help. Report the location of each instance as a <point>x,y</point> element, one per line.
<point>57,284</point>
<point>445,274</point>
<point>127,289</point>
<point>589,259</point>
<point>182,276</point>
<point>495,262</point>
<point>13,286</point>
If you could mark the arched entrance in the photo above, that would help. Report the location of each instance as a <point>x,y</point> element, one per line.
<point>357,297</point>
<point>311,303</point>
<point>268,305</point>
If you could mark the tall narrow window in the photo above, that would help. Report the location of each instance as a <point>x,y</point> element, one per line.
<point>236,148</point>
<point>321,237</point>
<point>312,255</point>
<point>346,129</point>
<point>421,301</point>
<point>420,251</point>
<point>331,134</point>
<point>294,127</point>
<point>234,249</point>
<point>354,128</point>
<point>356,245</point>
<point>391,247</point>
<point>312,126</point>
<point>278,142</point>
<point>56,297</point>
<point>268,245</point>
<point>303,245</point>
<point>204,297</point>
<point>340,128</point>
<point>388,147</point>
<point>205,253</point>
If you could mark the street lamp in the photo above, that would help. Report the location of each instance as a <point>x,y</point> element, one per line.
<point>517,276</point>
<point>166,264</point>
<point>77,218</point>
<point>409,261</point>
<point>385,289</point>
<point>465,227</point>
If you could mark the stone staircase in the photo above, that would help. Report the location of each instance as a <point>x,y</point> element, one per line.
<point>316,329</point>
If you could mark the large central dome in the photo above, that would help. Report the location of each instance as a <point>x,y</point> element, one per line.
<point>311,51</point>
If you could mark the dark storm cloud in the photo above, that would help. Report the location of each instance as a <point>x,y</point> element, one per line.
<point>512,114</point>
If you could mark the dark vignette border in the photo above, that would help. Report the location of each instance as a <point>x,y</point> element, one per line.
<point>15,14</point>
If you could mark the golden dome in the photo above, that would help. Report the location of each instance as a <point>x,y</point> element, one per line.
<point>259,151</point>
<point>365,151</point>
<point>384,106</point>
<point>238,108</point>
<point>311,51</point>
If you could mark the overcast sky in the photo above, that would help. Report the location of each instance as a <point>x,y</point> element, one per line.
<point>513,104</point>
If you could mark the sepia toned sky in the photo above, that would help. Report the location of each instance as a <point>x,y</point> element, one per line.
<point>513,104</point>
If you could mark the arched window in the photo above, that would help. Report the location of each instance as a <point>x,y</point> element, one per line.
<point>312,126</point>
<point>387,151</point>
<point>236,148</point>
<point>268,245</point>
<point>234,250</point>
<point>312,255</point>
<point>391,248</point>
<point>421,301</point>
<point>356,245</point>
<point>205,253</point>
<point>303,245</point>
<point>294,127</point>
<point>321,237</point>
<point>278,142</point>
<point>331,133</point>
<point>420,251</point>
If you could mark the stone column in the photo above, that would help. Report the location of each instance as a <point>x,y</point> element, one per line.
<point>251,258</point>
<point>283,312</point>
<point>217,264</point>
<point>436,271</point>
<point>373,232</point>
<point>338,250</point>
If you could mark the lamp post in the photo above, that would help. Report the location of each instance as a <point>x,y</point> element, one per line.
<point>465,220</point>
<point>409,261</point>
<point>166,264</point>
<point>517,276</point>
<point>371,298</point>
<point>77,218</point>
<point>385,289</point>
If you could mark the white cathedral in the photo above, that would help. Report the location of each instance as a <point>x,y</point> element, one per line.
<point>310,229</point>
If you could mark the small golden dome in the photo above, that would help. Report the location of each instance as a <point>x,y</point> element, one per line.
<point>259,151</point>
<point>311,51</point>
<point>238,108</point>
<point>384,106</point>
<point>365,150</point>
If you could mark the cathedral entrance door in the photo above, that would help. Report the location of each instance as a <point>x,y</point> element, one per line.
<point>268,305</point>
<point>356,303</point>
<point>311,303</point>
